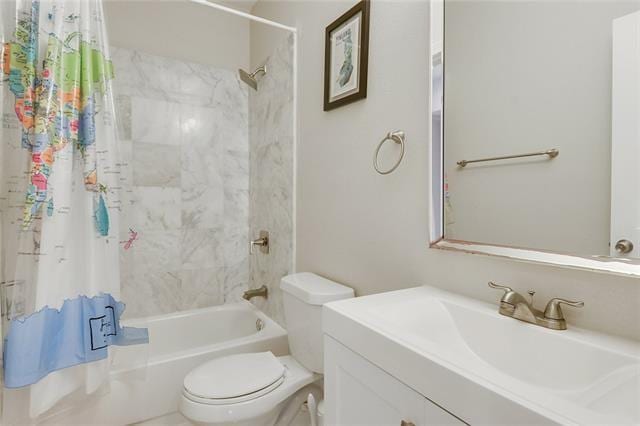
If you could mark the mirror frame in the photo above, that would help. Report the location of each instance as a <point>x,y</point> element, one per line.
<point>603,264</point>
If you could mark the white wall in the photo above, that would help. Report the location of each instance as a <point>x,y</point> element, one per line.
<point>181,30</point>
<point>371,231</point>
<point>525,77</point>
<point>263,40</point>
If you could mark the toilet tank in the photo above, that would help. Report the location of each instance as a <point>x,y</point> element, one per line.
<point>304,294</point>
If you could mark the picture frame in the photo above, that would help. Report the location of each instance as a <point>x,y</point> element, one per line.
<point>346,57</point>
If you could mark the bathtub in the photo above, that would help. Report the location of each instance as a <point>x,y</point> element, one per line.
<point>178,342</point>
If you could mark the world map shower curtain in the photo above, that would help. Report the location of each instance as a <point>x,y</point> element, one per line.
<point>60,186</point>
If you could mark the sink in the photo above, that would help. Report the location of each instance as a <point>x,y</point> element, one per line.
<point>546,358</point>
<point>580,375</point>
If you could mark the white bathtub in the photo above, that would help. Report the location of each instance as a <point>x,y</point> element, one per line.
<point>177,343</point>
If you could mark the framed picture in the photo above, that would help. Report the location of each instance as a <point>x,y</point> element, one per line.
<point>346,57</point>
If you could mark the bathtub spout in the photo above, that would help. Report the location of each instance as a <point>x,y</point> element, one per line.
<point>250,294</point>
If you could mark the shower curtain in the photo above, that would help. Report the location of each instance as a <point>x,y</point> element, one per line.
<point>60,199</point>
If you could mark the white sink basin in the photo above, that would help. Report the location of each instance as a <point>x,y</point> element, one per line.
<point>565,376</point>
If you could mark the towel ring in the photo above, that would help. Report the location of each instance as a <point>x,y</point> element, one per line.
<point>397,137</point>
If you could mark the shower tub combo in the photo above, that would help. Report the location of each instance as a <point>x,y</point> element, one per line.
<point>178,343</point>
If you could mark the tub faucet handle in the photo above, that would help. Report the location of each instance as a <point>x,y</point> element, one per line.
<point>262,241</point>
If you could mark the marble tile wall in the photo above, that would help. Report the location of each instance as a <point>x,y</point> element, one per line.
<point>271,176</point>
<point>185,133</point>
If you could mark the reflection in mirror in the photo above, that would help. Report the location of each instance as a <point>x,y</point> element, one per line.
<point>555,88</point>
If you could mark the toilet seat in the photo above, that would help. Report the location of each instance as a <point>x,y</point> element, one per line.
<point>234,378</point>
<point>249,405</point>
<point>233,400</point>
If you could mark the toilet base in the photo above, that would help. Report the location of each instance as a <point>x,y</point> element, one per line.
<point>281,415</point>
<point>266,419</point>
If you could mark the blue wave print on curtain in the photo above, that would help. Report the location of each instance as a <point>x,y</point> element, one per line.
<point>50,339</point>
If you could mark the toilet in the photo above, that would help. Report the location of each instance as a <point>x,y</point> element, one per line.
<point>259,388</point>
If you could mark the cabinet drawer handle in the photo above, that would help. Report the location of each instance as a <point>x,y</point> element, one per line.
<point>406,423</point>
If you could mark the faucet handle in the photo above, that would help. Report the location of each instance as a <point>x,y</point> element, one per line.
<point>500,287</point>
<point>262,242</point>
<point>553,310</point>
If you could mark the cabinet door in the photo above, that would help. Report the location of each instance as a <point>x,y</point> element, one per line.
<point>359,393</point>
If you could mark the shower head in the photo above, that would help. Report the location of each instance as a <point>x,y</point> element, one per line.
<point>251,79</point>
<point>248,78</point>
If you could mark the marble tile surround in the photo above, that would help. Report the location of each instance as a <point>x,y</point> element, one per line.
<point>271,176</point>
<point>185,133</point>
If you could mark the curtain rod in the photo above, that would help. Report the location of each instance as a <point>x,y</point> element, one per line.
<point>244,15</point>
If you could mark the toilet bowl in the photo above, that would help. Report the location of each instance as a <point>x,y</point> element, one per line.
<point>257,388</point>
<point>258,402</point>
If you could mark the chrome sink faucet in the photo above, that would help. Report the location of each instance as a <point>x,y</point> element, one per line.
<point>514,305</point>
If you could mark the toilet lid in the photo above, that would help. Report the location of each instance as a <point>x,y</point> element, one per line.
<point>233,376</point>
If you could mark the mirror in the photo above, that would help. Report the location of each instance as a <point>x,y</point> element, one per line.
<point>535,130</point>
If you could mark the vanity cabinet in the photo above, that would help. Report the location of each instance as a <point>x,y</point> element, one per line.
<point>359,393</point>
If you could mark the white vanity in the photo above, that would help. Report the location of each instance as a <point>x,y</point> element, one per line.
<point>425,356</point>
